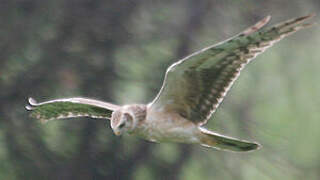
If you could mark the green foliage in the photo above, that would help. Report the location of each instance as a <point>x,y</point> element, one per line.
<point>118,51</point>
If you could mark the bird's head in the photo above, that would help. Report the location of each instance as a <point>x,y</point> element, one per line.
<point>123,121</point>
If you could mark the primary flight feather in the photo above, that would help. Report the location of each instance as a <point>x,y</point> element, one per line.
<point>192,90</point>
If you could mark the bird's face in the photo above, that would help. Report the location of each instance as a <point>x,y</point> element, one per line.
<point>121,122</point>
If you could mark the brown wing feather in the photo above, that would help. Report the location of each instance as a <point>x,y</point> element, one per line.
<point>195,86</point>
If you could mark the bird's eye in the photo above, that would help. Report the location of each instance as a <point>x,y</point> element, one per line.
<point>121,125</point>
<point>127,115</point>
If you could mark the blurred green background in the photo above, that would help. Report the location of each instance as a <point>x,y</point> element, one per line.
<point>118,51</point>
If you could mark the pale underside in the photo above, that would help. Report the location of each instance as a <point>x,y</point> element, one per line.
<point>162,126</point>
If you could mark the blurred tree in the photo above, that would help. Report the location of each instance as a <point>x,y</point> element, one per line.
<point>104,49</point>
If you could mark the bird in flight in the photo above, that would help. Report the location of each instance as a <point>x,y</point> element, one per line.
<point>192,90</point>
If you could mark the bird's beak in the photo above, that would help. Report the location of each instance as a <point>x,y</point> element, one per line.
<point>117,133</point>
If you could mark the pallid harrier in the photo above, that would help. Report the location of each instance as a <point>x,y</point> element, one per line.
<point>192,90</point>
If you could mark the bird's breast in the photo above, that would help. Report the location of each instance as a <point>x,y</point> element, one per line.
<point>167,127</point>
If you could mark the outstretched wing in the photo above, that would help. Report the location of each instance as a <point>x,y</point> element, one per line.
<point>196,85</point>
<point>69,108</point>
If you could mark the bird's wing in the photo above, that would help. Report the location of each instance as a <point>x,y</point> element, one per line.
<point>221,142</point>
<point>69,108</point>
<point>196,85</point>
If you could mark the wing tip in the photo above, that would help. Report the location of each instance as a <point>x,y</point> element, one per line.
<point>29,108</point>
<point>299,20</point>
<point>267,18</point>
<point>309,16</point>
<point>250,147</point>
<point>289,23</point>
<point>255,146</point>
<point>296,22</point>
<point>257,26</point>
<point>31,104</point>
<point>32,101</point>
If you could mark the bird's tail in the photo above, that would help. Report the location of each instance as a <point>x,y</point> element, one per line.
<point>214,140</point>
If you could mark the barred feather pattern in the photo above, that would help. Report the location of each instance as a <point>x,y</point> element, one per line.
<point>219,78</point>
<point>70,108</point>
<point>139,112</point>
<point>197,84</point>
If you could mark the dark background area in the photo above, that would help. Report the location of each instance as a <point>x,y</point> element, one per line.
<point>118,51</point>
